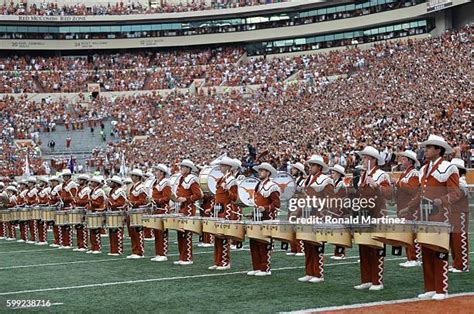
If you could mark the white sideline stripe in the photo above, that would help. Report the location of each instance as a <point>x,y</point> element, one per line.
<point>88,261</point>
<point>109,260</point>
<point>166,279</point>
<point>370,304</point>
<point>169,279</point>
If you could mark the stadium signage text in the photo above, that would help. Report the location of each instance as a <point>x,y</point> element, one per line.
<point>435,5</point>
<point>32,18</point>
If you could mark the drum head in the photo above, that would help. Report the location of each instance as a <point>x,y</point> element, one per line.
<point>287,185</point>
<point>246,190</point>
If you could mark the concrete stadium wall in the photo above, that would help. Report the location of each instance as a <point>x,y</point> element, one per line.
<point>361,22</point>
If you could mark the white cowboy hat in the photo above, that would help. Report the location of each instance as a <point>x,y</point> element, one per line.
<point>298,166</point>
<point>318,160</point>
<point>55,178</point>
<point>339,169</point>
<point>458,162</point>
<point>228,162</point>
<point>83,177</point>
<point>66,172</point>
<point>24,182</point>
<point>437,141</point>
<point>238,163</point>
<point>97,179</point>
<point>31,180</point>
<point>188,163</point>
<point>116,179</point>
<point>43,179</point>
<point>2,185</point>
<point>410,155</point>
<point>15,184</point>
<point>266,166</point>
<point>11,188</point>
<point>149,174</point>
<point>372,152</point>
<point>136,172</point>
<point>163,168</point>
<point>127,181</point>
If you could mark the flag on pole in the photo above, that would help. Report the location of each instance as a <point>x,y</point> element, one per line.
<point>70,164</point>
<point>123,166</point>
<point>26,170</point>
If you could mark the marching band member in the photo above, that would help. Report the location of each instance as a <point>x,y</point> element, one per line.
<point>21,201</point>
<point>43,200</point>
<point>148,184</point>
<point>3,201</point>
<point>187,193</point>
<point>97,201</point>
<point>460,221</point>
<point>298,172</point>
<point>68,193</point>
<point>374,184</point>
<point>81,200</point>
<point>237,212</point>
<point>267,204</point>
<point>12,193</point>
<point>31,196</point>
<point>317,185</point>
<point>439,181</point>
<point>226,196</point>
<point>137,197</point>
<point>116,202</point>
<point>340,191</point>
<point>161,194</point>
<point>207,206</point>
<point>407,186</point>
<point>55,200</point>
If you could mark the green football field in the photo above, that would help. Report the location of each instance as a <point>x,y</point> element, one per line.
<point>73,281</point>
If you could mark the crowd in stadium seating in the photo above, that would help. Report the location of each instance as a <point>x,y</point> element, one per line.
<point>394,96</point>
<point>162,70</point>
<point>121,8</point>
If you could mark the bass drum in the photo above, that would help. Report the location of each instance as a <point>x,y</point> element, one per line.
<point>286,183</point>
<point>208,178</point>
<point>174,179</point>
<point>246,191</point>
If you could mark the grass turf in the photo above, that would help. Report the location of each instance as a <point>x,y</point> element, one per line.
<point>165,287</point>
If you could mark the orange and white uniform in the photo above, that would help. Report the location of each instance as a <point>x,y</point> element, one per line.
<point>226,196</point>
<point>42,226</point>
<point>116,202</point>
<point>459,218</point>
<point>31,196</point>
<point>12,202</point>
<point>161,195</point>
<point>267,195</point>
<point>21,201</point>
<point>81,200</point>
<point>97,202</point>
<point>372,259</point>
<point>55,200</point>
<point>438,180</point>
<point>188,187</point>
<point>407,186</point>
<point>68,193</point>
<point>137,197</point>
<point>320,186</point>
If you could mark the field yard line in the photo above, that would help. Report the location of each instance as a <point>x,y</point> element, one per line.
<point>166,279</point>
<point>25,251</point>
<point>87,261</point>
<point>369,304</point>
